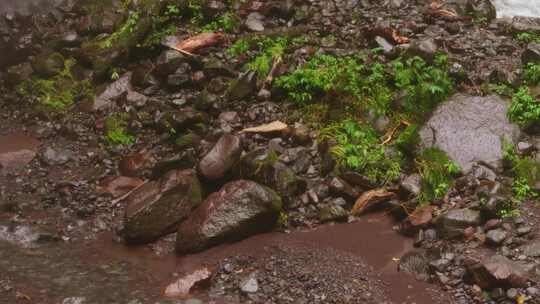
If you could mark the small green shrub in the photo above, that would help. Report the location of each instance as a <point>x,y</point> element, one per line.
<point>524,109</point>
<point>527,37</point>
<point>438,172</point>
<point>500,89</point>
<point>228,22</point>
<point>126,29</point>
<point>525,169</point>
<point>358,149</point>
<point>269,50</point>
<point>426,86</point>
<point>116,130</point>
<point>241,46</point>
<point>531,73</point>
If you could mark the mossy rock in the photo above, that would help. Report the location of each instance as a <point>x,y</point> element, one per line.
<point>48,64</point>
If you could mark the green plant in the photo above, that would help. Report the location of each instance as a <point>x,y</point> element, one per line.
<point>437,172</point>
<point>228,22</point>
<point>126,29</point>
<point>116,130</point>
<point>526,37</point>
<point>524,109</point>
<point>501,89</point>
<point>531,73</point>
<point>241,46</point>
<point>59,92</point>
<point>358,149</point>
<point>270,50</point>
<point>525,169</point>
<point>426,86</point>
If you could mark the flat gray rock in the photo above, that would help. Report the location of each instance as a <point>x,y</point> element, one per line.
<point>470,129</point>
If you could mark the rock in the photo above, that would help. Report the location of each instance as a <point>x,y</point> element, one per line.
<point>470,129</point>
<point>55,156</point>
<point>264,167</point>
<point>156,208</point>
<point>387,47</point>
<point>498,271</point>
<point>254,22</point>
<point>524,147</point>
<point>112,92</point>
<point>225,153</point>
<point>249,284</point>
<point>16,151</point>
<point>340,187</point>
<point>411,184</point>
<point>331,213</point>
<point>74,300</point>
<point>481,9</point>
<point>512,293</point>
<point>240,209</point>
<point>48,64</point>
<point>452,223</point>
<point>116,186</point>
<point>188,140</point>
<point>17,74</point>
<point>531,250</point>
<point>524,230</point>
<point>244,86</point>
<point>356,179</point>
<point>168,62</point>
<point>182,286</point>
<point>420,217</point>
<point>134,164</point>
<point>531,53</point>
<point>495,237</point>
<point>300,134</point>
<point>425,48</point>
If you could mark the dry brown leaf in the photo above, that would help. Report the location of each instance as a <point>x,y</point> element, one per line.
<point>388,33</point>
<point>369,199</point>
<point>197,42</point>
<point>276,126</point>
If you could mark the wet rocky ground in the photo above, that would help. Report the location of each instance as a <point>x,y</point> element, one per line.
<point>187,179</point>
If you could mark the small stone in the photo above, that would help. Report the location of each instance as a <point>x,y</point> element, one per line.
<point>497,293</point>
<point>533,291</point>
<point>496,237</point>
<point>523,230</point>
<point>524,147</point>
<point>254,22</point>
<point>250,284</point>
<point>74,300</point>
<point>54,156</point>
<point>332,213</point>
<point>512,293</point>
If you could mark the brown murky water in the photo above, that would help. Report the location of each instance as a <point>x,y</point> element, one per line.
<point>16,151</point>
<point>370,238</point>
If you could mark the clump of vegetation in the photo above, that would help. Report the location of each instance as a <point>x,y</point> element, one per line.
<point>525,169</point>
<point>269,51</point>
<point>500,89</point>
<point>228,22</point>
<point>358,149</point>
<point>241,46</point>
<point>531,73</point>
<point>524,109</point>
<point>426,85</point>
<point>438,172</point>
<point>59,92</point>
<point>126,29</point>
<point>526,37</point>
<point>116,130</point>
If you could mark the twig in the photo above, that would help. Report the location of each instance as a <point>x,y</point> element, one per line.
<point>270,76</point>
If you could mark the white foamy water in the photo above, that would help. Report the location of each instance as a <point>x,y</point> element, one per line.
<point>511,8</point>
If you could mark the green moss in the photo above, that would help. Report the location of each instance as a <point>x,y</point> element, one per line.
<point>437,171</point>
<point>57,93</point>
<point>241,46</point>
<point>116,130</point>
<point>227,22</point>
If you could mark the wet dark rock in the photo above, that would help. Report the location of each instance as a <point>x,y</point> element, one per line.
<point>168,62</point>
<point>178,80</point>
<point>221,158</point>
<point>331,213</point>
<point>495,237</point>
<point>424,48</point>
<point>470,129</point>
<point>452,223</point>
<point>117,186</point>
<point>498,271</point>
<point>341,187</point>
<point>183,119</point>
<point>55,156</point>
<point>531,250</point>
<point>356,179</point>
<point>244,86</point>
<point>188,140</point>
<point>300,134</point>
<point>240,209</point>
<point>263,167</point>
<point>156,208</point>
<point>186,160</point>
<point>411,184</point>
<point>531,53</point>
<point>134,164</point>
<point>48,64</point>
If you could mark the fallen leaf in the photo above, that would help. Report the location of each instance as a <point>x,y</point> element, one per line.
<point>388,33</point>
<point>421,216</point>
<point>197,42</point>
<point>276,126</point>
<point>369,199</point>
<point>183,285</point>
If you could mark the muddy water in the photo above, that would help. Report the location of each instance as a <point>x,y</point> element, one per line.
<point>371,239</point>
<point>16,151</point>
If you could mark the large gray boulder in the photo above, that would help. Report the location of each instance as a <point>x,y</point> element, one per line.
<point>156,208</point>
<point>240,209</point>
<point>470,129</point>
